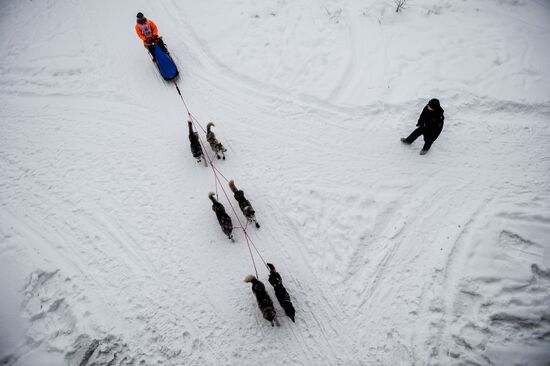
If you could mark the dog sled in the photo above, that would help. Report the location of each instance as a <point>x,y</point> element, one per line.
<point>166,66</point>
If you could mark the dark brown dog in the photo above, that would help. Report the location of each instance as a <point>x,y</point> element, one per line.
<point>216,146</point>
<point>262,297</point>
<point>196,148</point>
<point>223,218</point>
<point>280,292</point>
<point>244,204</point>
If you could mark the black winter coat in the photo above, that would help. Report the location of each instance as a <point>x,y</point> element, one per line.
<point>431,122</point>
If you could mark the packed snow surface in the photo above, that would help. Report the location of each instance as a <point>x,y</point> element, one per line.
<point>110,252</point>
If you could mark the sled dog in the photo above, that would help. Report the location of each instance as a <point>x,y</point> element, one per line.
<point>196,149</point>
<point>216,146</point>
<point>244,204</point>
<point>280,292</point>
<point>262,297</point>
<point>223,218</point>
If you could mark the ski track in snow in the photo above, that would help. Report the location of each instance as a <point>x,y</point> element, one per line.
<point>389,258</point>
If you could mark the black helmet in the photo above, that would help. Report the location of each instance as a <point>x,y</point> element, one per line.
<point>141,18</point>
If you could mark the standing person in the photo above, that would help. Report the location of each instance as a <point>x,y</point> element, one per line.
<point>147,30</point>
<point>429,124</point>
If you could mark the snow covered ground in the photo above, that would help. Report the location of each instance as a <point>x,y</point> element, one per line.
<point>109,250</point>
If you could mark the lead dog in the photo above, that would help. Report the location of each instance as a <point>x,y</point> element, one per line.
<point>223,218</point>
<point>216,146</point>
<point>196,148</point>
<point>262,297</point>
<point>280,292</point>
<point>244,204</point>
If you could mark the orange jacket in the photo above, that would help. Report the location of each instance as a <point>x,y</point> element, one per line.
<point>147,31</point>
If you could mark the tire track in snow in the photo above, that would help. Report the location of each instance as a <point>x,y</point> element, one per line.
<point>456,260</point>
<point>464,298</point>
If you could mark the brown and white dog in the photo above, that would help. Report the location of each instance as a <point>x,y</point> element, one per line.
<point>262,297</point>
<point>244,204</point>
<point>223,218</point>
<point>216,146</point>
<point>196,148</point>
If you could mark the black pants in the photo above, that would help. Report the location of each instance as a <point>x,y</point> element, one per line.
<point>428,141</point>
